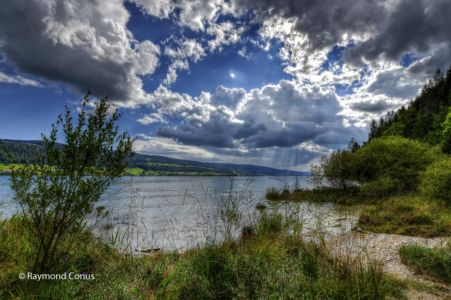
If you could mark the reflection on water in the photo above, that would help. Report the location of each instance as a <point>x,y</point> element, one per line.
<point>182,212</point>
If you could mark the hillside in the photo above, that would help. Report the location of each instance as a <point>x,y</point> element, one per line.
<point>24,152</point>
<point>425,116</point>
<point>20,152</point>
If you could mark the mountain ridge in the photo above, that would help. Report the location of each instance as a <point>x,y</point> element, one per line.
<point>24,151</point>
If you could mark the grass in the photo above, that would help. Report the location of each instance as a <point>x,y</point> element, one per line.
<point>134,171</point>
<point>6,168</point>
<point>435,262</point>
<point>407,215</point>
<point>323,194</point>
<point>413,214</point>
<point>270,261</point>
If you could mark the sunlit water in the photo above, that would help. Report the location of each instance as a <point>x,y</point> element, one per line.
<point>181,212</point>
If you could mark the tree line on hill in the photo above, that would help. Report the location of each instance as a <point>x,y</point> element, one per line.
<point>407,151</point>
<point>426,119</point>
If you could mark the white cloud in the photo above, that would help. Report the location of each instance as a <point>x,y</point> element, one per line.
<point>86,45</point>
<point>194,14</point>
<point>168,147</point>
<point>225,33</point>
<point>17,79</point>
<point>187,50</point>
<point>151,119</point>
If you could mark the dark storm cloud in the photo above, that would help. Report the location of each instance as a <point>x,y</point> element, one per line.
<point>218,131</point>
<point>395,83</point>
<point>323,21</point>
<point>282,115</point>
<point>420,26</point>
<point>75,43</point>
<point>372,107</point>
<point>414,25</point>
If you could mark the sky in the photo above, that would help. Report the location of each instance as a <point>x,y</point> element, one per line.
<point>277,83</point>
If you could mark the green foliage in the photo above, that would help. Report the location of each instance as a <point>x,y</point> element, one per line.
<point>338,169</point>
<point>435,262</point>
<point>380,187</point>
<point>446,134</point>
<point>407,215</point>
<point>436,180</point>
<point>392,164</point>
<point>134,171</point>
<point>62,186</point>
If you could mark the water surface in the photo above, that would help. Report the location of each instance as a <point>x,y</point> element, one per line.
<point>180,212</point>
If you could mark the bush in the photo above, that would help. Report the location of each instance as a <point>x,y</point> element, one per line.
<point>395,161</point>
<point>59,190</point>
<point>381,187</point>
<point>337,169</point>
<point>436,180</point>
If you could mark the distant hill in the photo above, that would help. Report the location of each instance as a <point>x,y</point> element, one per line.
<point>20,152</point>
<point>423,119</point>
<point>24,152</point>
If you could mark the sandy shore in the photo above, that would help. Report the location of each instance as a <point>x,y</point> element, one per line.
<point>383,248</point>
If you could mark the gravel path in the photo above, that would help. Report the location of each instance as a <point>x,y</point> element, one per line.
<point>384,248</point>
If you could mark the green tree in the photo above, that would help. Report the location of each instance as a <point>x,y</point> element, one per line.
<point>446,133</point>
<point>60,189</point>
<point>337,169</point>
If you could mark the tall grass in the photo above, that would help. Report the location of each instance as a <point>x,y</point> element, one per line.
<point>435,262</point>
<point>266,257</point>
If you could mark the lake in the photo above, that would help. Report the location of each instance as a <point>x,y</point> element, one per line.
<point>181,212</point>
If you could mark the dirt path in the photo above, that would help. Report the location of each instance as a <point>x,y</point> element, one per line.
<point>384,249</point>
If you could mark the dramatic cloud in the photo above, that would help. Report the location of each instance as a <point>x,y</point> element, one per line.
<point>325,23</point>
<point>413,25</point>
<point>85,44</point>
<point>386,28</point>
<point>194,14</point>
<point>282,115</point>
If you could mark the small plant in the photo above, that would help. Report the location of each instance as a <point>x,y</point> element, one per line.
<point>57,192</point>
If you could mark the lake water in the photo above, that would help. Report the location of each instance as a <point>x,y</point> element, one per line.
<point>180,212</point>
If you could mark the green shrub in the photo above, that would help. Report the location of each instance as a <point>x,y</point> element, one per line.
<point>395,161</point>
<point>436,180</point>
<point>446,133</point>
<point>431,261</point>
<point>337,170</point>
<point>381,187</point>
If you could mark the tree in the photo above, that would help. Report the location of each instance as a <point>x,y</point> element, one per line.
<point>337,170</point>
<point>60,189</point>
<point>373,130</point>
<point>446,134</point>
<point>353,146</point>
